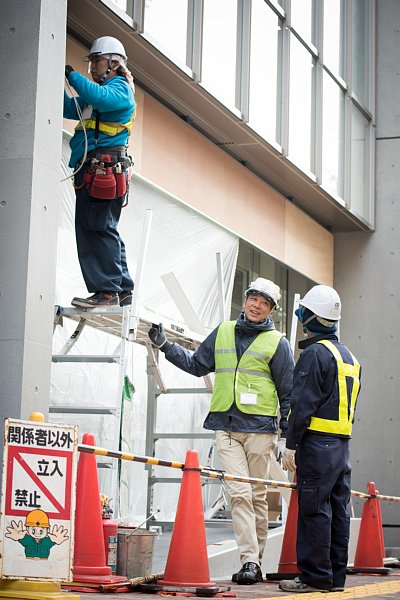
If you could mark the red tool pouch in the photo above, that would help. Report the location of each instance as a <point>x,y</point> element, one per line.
<point>103,185</point>
<point>120,178</point>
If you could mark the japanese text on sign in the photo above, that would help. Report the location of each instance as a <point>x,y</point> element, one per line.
<point>36,437</point>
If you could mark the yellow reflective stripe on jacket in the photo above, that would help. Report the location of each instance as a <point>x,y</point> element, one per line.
<point>251,374</point>
<point>344,424</point>
<point>110,128</point>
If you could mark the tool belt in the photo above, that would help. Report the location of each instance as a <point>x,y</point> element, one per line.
<point>109,173</point>
<point>117,153</point>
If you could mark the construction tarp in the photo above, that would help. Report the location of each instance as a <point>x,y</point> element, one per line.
<point>182,247</point>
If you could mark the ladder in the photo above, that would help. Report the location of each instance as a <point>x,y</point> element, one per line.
<point>115,321</point>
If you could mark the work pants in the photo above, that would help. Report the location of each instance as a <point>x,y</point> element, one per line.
<point>323,482</point>
<point>247,455</point>
<point>101,251</point>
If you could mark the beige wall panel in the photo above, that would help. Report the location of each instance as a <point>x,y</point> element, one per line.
<point>309,247</point>
<point>180,160</point>
<point>74,55</point>
<point>135,140</point>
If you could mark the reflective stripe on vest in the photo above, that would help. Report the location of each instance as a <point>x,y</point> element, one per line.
<point>343,425</point>
<point>251,374</point>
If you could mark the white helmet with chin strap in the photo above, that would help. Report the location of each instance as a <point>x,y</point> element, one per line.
<point>324,302</point>
<point>266,288</point>
<point>107,45</point>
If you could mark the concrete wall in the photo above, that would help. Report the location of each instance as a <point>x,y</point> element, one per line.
<point>366,274</point>
<point>32,44</point>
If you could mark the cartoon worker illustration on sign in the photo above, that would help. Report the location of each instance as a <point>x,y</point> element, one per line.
<point>36,538</point>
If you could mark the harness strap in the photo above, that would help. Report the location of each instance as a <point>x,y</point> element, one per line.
<point>97,128</point>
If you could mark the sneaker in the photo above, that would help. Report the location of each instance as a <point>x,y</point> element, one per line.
<point>98,299</point>
<point>295,586</point>
<point>125,298</point>
<point>250,573</point>
<point>337,589</point>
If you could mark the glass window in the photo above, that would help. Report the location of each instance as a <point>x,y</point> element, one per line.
<point>218,71</point>
<point>332,136</point>
<point>264,84</point>
<point>301,19</point>
<point>166,23</point>
<point>360,50</point>
<point>300,103</point>
<point>359,201</point>
<point>122,4</point>
<point>333,38</point>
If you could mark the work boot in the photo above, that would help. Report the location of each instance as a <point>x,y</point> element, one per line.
<point>250,573</point>
<point>295,586</point>
<point>125,298</point>
<point>98,299</point>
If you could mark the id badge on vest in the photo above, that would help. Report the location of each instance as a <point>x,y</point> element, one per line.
<point>248,398</point>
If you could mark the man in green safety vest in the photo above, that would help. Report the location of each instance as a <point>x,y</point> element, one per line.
<point>253,365</point>
<point>325,389</point>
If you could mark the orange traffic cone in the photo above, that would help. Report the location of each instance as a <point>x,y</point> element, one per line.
<point>187,562</point>
<point>287,566</point>
<point>89,553</point>
<point>370,549</point>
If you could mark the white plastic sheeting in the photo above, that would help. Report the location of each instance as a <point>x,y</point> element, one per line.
<point>185,243</point>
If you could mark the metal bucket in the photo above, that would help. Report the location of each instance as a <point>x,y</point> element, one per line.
<point>135,552</point>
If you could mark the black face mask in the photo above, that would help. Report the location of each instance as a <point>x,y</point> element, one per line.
<point>310,322</point>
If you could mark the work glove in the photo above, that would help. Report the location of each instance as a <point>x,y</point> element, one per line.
<point>157,335</point>
<point>280,447</point>
<point>288,462</point>
<point>68,71</point>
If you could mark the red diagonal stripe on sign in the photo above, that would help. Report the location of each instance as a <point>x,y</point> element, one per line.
<point>38,482</point>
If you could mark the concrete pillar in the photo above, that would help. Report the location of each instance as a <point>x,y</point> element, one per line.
<point>366,274</point>
<point>32,47</point>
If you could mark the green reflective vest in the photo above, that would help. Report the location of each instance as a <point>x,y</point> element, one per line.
<point>343,425</point>
<point>248,375</point>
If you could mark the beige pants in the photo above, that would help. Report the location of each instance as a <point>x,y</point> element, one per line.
<point>247,455</point>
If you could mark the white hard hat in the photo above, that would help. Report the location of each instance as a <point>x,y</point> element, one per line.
<point>106,45</point>
<point>323,301</point>
<point>266,288</point>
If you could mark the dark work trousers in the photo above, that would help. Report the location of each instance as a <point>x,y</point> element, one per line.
<point>323,481</point>
<point>101,251</point>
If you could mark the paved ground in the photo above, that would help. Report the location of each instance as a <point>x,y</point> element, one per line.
<point>357,586</point>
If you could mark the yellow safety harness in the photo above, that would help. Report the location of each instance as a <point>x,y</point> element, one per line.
<point>107,127</point>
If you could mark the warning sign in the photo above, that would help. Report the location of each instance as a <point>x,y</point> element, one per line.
<point>39,471</point>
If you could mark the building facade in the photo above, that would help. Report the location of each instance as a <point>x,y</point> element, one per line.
<point>277,120</point>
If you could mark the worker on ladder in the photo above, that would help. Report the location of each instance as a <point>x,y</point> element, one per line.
<point>253,365</point>
<point>106,109</point>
